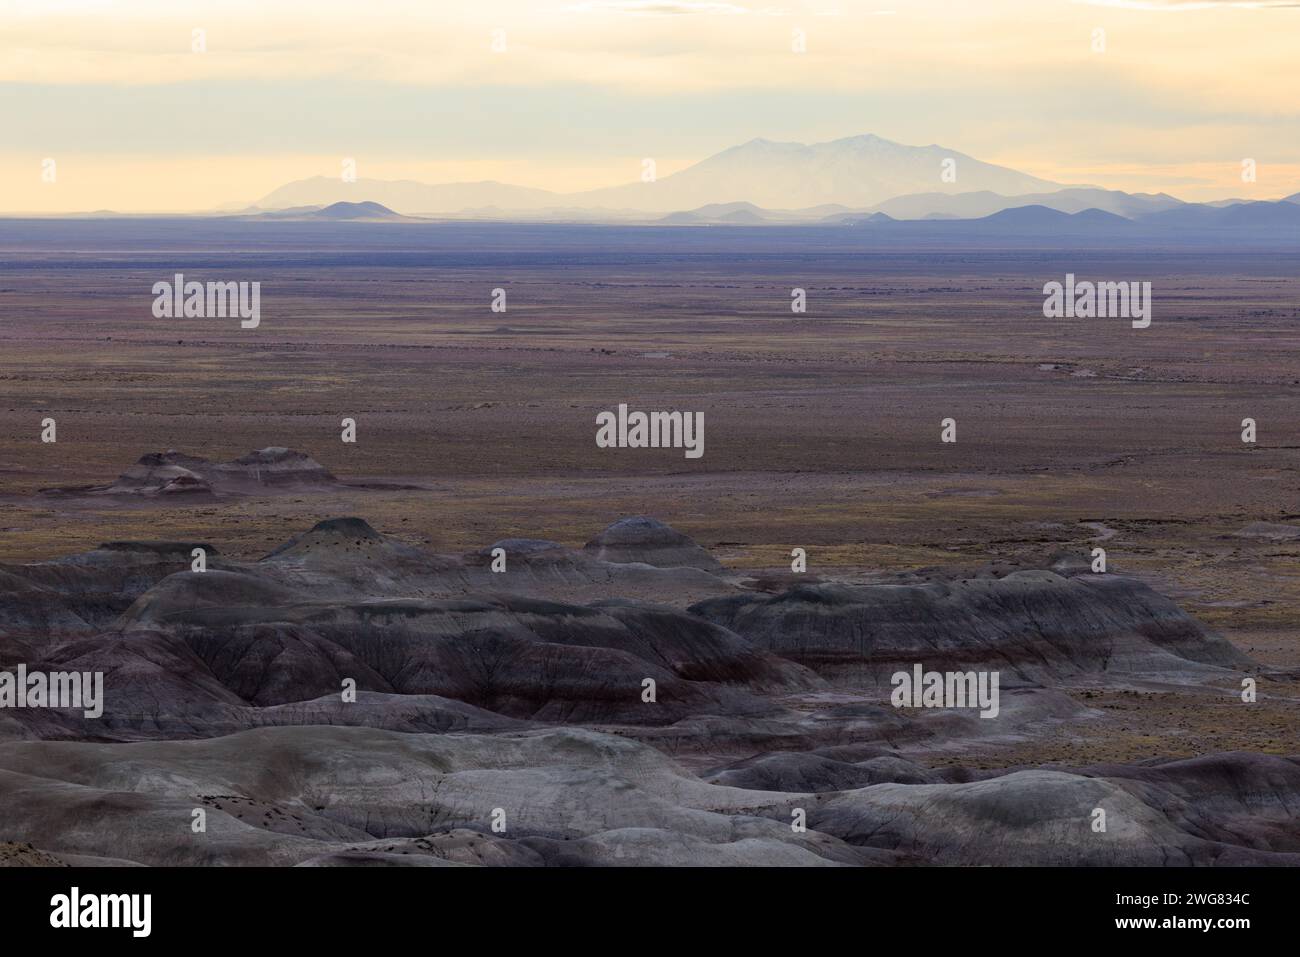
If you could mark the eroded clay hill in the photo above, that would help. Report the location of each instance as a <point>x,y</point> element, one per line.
<point>173,474</point>
<point>351,698</point>
<point>195,652</point>
<point>1035,626</point>
<point>344,796</point>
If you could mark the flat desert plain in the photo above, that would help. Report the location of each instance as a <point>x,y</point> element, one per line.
<point>822,429</point>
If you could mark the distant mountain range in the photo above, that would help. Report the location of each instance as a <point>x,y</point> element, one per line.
<point>362,212</point>
<point>1276,221</point>
<point>854,172</point>
<point>974,205</point>
<point>859,180</point>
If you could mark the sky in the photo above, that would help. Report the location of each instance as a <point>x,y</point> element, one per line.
<point>121,104</point>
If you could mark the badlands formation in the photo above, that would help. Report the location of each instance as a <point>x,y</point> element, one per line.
<point>352,699</point>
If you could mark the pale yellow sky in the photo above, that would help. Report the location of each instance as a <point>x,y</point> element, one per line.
<point>577,92</point>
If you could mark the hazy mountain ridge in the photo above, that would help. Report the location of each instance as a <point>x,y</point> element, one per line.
<point>853,172</point>
<point>360,212</point>
<point>850,181</point>
<point>857,171</point>
<point>1071,209</point>
<point>975,205</point>
<point>408,197</point>
<point>1279,219</point>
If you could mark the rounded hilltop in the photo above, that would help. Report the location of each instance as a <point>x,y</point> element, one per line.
<point>650,542</point>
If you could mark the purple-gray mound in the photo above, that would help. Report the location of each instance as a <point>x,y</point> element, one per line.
<point>1031,626</point>
<point>354,700</point>
<point>651,542</point>
<point>174,474</point>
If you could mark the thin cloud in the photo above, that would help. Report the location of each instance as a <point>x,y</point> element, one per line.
<point>1181,5</point>
<point>656,8</point>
